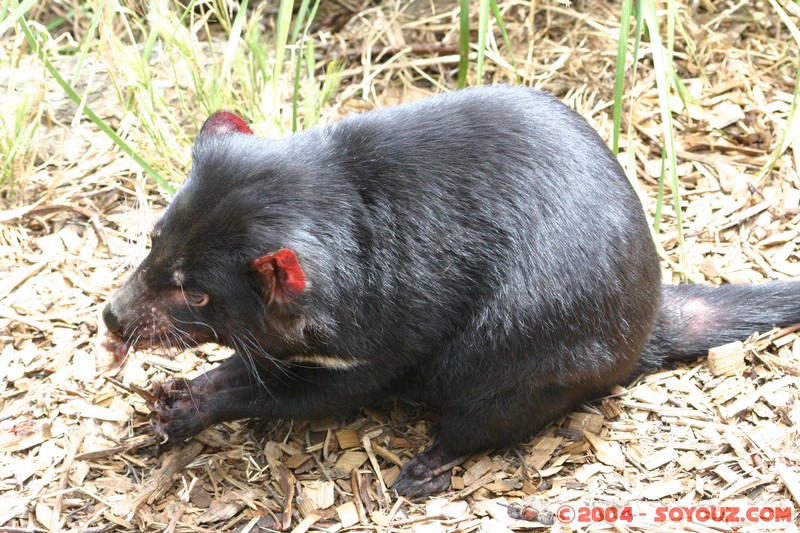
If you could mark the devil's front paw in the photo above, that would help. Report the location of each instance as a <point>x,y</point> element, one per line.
<point>421,475</point>
<point>178,411</point>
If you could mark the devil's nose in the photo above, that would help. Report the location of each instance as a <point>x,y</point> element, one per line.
<point>111,320</point>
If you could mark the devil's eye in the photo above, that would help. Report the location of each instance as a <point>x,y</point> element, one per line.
<point>197,299</point>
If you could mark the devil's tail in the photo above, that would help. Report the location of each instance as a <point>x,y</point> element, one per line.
<point>694,318</point>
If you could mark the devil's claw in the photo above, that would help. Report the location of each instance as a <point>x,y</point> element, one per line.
<point>151,399</point>
<point>422,476</point>
<point>178,411</point>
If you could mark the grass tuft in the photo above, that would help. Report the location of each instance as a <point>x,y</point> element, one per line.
<point>666,80</point>
<point>174,64</point>
<point>17,132</point>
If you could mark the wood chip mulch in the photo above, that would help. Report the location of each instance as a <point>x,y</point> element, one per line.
<point>75,451</point>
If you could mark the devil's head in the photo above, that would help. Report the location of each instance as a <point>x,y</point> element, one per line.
<point>226,254</point>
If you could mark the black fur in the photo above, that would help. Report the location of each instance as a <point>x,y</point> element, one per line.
<point>482,251</point>
<point>694,318</point>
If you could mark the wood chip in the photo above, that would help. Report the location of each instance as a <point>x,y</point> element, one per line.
<point>200,497</point>
<point>607,452</point>
<point>296,461</point>
<point>790,480</point>
<point>736,443</point>
<point>25,435</point>
<point>749,400</point>
<point>387,454</point>
<point>224,509</point>
<point>740,488</point>
<point>445,507</point>
<point>390,474</point>
<point>347,462</point>
<point>478,470</point>
<point>648,395</point>
<point>657,491</point>
<point>543,449</point>
<point>306,523</point>
<point>725,472</point>
<point>688,460</point>
<point>320,493</point>
<point>659,458</point>
<point>172,466</point>
<point>348,438</point>
<point>430,527</point>
<point>727,360</point>
<point>586,421</point>
<point>610,409</point>
<point>287,482</point>
<point>347,513</point>
<point>585,472</point>
<point>726,390</point>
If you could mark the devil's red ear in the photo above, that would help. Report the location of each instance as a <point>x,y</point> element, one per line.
<point>223,123</point>
<point>282,274</point>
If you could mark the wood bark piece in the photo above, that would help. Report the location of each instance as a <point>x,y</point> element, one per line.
<point>75,443</point>
<point>173,465</point>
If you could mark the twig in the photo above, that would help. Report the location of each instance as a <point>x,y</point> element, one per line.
<point>73,450</point>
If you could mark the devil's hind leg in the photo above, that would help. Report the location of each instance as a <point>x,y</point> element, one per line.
<point>509,404</point>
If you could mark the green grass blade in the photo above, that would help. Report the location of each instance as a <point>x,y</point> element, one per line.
<point>15,15</point>
<point>282,23</point>
<point>105,128</point>
<point>483,32</point>
<point>299,19</point>
<point>660,195</point>
<point>463,43</point>
<point>298,69</point>
<point>232,46</point>
<point>298,26</point>
<point>619,79</point>
<point>637,42</point>
<point>311,17</point>
<point>663,71</point>
<point>307,51</point>
<point>792,122</point>
<point>17,132</point>
<point>498,17</point>
<point>87,40</point>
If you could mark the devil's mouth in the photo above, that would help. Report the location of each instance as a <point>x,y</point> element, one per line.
<point>116,344</point>
<point>120,346</point>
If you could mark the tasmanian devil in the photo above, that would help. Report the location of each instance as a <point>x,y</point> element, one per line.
<point>481,251</point>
